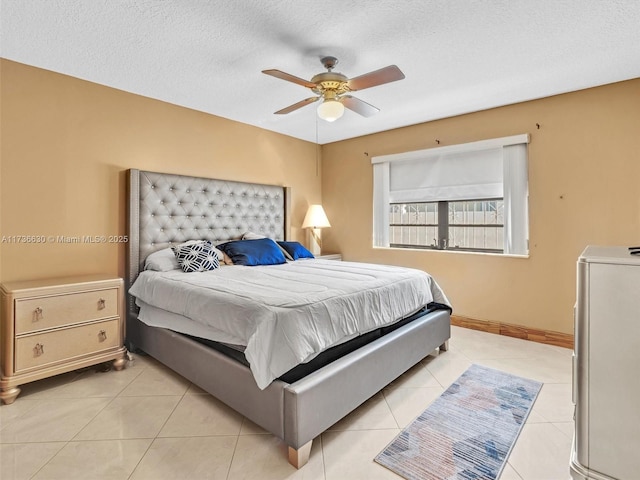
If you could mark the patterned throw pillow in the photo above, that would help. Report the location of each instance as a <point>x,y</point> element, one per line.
<point>196,257</point>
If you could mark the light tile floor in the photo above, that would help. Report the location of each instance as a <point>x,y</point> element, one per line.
<point>146,422</point>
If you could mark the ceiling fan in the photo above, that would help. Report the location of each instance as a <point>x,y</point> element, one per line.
<point>333,89</point>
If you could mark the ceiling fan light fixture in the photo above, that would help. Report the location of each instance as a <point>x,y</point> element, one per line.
<point>333,89</point>
<point>330,110</point>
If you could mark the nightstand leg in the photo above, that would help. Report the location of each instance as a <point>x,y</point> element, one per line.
<point>119,363</point>
<point>9,395</point>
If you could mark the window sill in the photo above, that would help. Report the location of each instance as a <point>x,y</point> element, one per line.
<point>457,252</point>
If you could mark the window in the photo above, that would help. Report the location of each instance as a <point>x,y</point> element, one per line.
<point>469,197</point>
<point>463,225</point>
<point>413,224</point>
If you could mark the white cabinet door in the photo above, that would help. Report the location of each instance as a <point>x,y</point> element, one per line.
<point>613,369</point>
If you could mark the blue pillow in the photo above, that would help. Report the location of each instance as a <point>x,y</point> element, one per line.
<point>296,250</point>
<point>262,251</point>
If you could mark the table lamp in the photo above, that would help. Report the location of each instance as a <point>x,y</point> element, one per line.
<point>314,220</point>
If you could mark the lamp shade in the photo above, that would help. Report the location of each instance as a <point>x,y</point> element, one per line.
<point>330,110</point>
<point>315,218</point>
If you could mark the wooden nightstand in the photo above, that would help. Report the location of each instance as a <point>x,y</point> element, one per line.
<point>330,256</point>
<point>59,325</point>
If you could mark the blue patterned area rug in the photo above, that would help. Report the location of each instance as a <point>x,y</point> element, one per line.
<point>468,432</point>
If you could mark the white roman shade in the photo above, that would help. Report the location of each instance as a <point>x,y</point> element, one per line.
<point>456,176</point>
<point>495,168</point>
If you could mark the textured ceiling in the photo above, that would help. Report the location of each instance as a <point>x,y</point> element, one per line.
<point>458,56</point>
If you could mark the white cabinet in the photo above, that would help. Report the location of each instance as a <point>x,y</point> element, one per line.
<point>606,382</point>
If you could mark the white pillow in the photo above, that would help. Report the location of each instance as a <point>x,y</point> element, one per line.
<point>161,261</point>
<point>165,260</point>
<point>252,236</point>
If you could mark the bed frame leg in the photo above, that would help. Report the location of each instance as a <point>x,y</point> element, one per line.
<point>299,458</point>
<point>445,346</point>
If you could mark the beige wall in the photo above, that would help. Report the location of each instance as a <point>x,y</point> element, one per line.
<point>584,182</point>
<point>66,145</point>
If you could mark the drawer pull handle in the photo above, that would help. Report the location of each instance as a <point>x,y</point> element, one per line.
<point>38,350</point>
<point>37,314</point>
<point>102,335</point>
<point>102,304</point>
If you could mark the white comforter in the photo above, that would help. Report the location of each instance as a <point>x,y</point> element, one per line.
<point>287,314</point>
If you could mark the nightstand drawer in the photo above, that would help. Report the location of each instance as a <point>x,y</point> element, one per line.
<point>33,314</point>
<point>50,347</point>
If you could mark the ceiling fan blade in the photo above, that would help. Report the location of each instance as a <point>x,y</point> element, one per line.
<point>298,105</point>
<point>363,108</point>
<point>375,78</point>
<point>289,78</point>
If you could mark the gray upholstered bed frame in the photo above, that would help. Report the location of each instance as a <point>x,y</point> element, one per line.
<point>165,209</point>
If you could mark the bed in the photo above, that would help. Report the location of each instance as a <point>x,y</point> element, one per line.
<point>168,209</point>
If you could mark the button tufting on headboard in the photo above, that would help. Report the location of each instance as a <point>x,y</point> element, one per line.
<point>165,209</point>
<point>177,206</point>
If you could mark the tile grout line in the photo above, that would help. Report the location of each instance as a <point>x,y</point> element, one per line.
<point>390,409</point>
<point>160,429</point>
<point>67,442</point>
<point>47,462</point>
<point>324,464</point>
<point>235,447</point>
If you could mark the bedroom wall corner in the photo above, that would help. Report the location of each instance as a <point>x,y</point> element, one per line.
<point>67,144</point>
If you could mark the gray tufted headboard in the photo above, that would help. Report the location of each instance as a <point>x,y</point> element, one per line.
<point>165,209</point>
